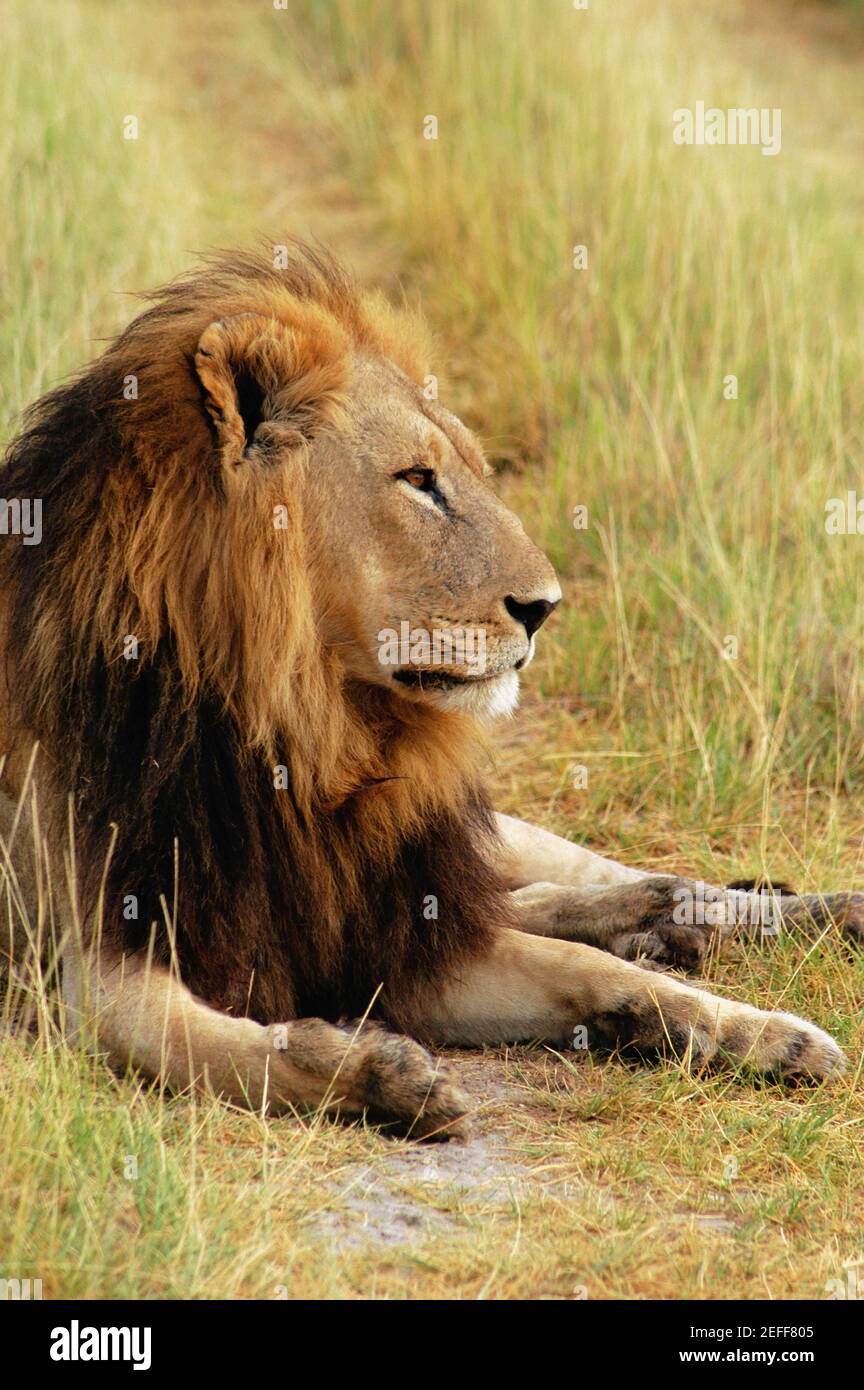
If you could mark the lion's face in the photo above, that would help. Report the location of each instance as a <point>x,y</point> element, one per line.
<point>397,559</point>
<point>428,584</point>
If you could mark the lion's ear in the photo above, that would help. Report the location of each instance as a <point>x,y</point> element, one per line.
<point>269,385</point>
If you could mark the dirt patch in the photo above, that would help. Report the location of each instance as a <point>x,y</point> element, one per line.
<point>418,1190</point>
<point>284,165</point>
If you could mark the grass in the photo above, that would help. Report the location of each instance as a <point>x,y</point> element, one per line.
<point>706,515</point>
<point>600,387</point>
<point>85,209</point>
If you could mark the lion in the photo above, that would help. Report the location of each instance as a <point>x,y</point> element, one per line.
<point>289,882</point>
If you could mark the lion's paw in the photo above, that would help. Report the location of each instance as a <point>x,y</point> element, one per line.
<point>398,1080</point>
<point>779,1044</point>
<point>814,913</point>
<point>661,939</point>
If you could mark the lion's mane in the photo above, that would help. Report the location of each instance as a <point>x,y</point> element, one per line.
<point>367,869</point>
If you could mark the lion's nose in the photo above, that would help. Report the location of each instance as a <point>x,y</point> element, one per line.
<point>532,614</point>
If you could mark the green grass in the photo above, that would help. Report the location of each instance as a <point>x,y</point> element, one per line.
<point>87,213</point>
<point>601,387</point>
<point>706,515</point>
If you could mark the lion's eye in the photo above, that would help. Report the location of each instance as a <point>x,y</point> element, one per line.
<point>421,478</point>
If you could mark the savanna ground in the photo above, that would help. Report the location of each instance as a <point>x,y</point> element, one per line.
<point>599,387</point>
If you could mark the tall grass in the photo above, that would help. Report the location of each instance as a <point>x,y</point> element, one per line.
<point>606,384</point>
<point>87,213</point>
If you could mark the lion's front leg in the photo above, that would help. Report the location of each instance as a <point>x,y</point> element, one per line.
<point>528,854</point>
<point>142,1016</point>
<point>641,921</point>
<point>812,914</point>
<point>529,987</point>
<point>669,921</point>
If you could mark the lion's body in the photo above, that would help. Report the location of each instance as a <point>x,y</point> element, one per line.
<point>292,899</point>
<point>239,497</point>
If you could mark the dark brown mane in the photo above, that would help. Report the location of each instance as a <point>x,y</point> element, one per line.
<point>366,869</point>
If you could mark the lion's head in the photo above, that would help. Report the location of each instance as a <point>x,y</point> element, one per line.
<point>427,584</point>
<point>420,580</point>
<point>264,548</point>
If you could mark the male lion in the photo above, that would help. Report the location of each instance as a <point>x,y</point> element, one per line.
<point>275,831</point>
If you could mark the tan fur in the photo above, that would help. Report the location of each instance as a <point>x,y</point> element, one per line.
<point>531,987</point>
<point>275,494</point>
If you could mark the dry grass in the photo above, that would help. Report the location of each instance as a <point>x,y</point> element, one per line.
<point>604,387</point>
